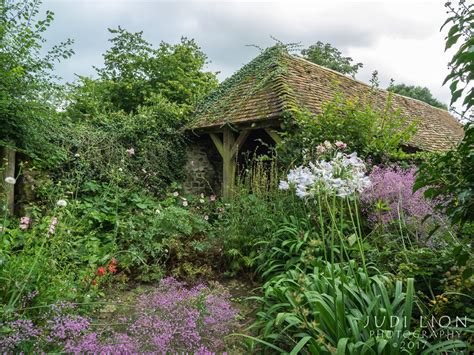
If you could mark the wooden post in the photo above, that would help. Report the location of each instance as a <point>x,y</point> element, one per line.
<point>8,158</point>
<point>228,149</point>
<point>228,163</point>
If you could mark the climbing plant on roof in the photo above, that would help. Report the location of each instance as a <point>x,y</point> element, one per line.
<point>263,72</point>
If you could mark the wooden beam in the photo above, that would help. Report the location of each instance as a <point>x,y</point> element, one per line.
<point>239,141</point>
<point>274,134</point>
<point>228,163</point>
<point>218,143</point>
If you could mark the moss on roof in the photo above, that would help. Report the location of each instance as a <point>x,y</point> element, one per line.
<point>276,82</point>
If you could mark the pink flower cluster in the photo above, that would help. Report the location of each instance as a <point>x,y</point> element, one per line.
<point>170,319</point>
<point>391,197</point>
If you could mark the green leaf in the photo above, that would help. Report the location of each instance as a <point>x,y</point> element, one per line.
<point>300,345</point>
<point>451,41</point>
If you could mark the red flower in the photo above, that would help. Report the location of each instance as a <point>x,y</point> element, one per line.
<point>94,282</point>
<point>112,268</point>
<point>101,271</point>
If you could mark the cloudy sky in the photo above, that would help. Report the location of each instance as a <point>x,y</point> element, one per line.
<point>400,39</point>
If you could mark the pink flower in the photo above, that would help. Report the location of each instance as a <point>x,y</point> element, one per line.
<point>130,151</point>
<point>52,226</point>
<point>341,145</point>
<point>212,198</point>
<point>24,223</point>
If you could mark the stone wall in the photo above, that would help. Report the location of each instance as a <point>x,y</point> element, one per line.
<point>202,168</point>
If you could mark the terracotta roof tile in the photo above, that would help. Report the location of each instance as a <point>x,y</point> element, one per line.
<point>276,81</point>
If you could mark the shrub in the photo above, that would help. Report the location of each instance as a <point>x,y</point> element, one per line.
<point>372,131</point>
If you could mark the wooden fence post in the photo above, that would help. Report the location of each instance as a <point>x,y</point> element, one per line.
<point>9,159</point>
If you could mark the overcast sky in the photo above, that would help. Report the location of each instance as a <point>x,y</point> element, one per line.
<point>400,39</point>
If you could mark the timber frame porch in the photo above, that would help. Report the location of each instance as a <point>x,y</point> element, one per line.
<point>228,140</point>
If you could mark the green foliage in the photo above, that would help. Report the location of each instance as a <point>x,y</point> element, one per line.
<point>134,73</point>
<point>368,130</point>
<point>450,175</point>
<point>329,310</point>
<point>417,92</point>
<point>27,88</point>
<point>294,245</point>
<point>98,148</point>
<point>330,57</point>
<point>461,65</point>
<point>251,216</point>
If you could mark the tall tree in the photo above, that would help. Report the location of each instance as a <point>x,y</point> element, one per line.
<point>417,92</point>
<point>134,72</point>
<point>330,57</point>
<point>27,83</point>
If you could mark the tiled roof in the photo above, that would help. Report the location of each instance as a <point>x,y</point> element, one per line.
<point>275,82</point>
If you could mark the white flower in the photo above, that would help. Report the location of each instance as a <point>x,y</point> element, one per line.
<point>343,175</point>
<point>185,203</point>
<point>301,193</point>
<point>284,185</point>
<point>176,194</point>
<point>201,200</point>
<point>327,144</point>
<point>320,149</point>
<point>61,203</point>
<point>202,195</point>
<point>130,151</point>
<point>77,155</point>
<point>120,169</point>
<point>157,211</point>
<point>206,217</point>
<point>10,180</point>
